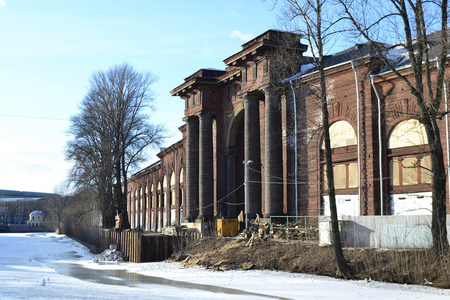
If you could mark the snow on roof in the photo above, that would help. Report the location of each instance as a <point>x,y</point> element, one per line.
<point>36,213</point>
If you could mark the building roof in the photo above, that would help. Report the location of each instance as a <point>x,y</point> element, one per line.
<point>250,50</point>
<point>20,195</point>
<point>398,55</point>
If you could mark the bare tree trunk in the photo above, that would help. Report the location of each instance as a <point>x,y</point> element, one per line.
<point>439,203</point>
<point>414,18</point>
<point>125,220</point>
<point>342,266</point>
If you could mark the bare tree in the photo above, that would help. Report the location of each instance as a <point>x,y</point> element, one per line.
<point>406,24</point>
<point>110,134</point>
<point>318,28</point>
<point>56,207</point>
<point>82,217</point>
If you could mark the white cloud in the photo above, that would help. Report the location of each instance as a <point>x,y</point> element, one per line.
<point>2,3</point>
<point>239,35</point>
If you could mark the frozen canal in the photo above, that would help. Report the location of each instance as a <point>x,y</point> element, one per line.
<point>49,266</point>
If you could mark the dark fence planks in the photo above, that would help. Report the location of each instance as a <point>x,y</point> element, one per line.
<point>142,247</point>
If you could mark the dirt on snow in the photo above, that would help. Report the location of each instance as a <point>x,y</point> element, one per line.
<point>400,266</point>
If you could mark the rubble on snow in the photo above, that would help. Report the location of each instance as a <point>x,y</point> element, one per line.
<point>110,255</point>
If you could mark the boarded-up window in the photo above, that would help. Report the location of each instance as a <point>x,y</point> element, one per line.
<point>408,171</point>
<point>255,71</point>
<point>353,175</point>
<point>408,133</point>
<point>426,175</point>
<point>395,172</point>
<point>345,176</point>
<point>340,177</point>
<point>409,166</point>
<point>244,75</point>
<point>324,177</point>
<point>342,134</point>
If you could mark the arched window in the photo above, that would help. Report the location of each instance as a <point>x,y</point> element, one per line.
<point>147,208</point>
<point>342,134</point>
<point>152,194</point>
<point>181,187</point>
<point>164,190</point>
<point>180,195</point>
<point>172,189</point>
<point>345,165</point>
<point>152,204</point>
<point>141,207</point>
<point>159,195</point>
<point>409,160</point>
<point>407,134</point>
<point>136,209</point>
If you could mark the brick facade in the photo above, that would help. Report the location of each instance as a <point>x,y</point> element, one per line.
<point>244,113</point>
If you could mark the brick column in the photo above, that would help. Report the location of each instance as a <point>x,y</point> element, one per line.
<point>252,151</point>
<point>192,169</point>
<point>230,154</point>
<point>205,175</point>
<point>273,163</point>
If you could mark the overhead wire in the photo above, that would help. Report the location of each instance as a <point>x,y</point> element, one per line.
<point>33,117</point>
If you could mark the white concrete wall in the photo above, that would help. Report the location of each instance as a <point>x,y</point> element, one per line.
<point>411,231</point>
<point>411,204</point>
<point>346,205</point>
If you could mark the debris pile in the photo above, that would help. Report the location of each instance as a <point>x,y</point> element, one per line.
<point>174,230</point>
<point>110,255</point>
<point>256,230</point>
<point>295,231</point>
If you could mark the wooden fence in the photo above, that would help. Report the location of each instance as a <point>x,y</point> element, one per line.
<point>144,247</point>
<point>130,243</point>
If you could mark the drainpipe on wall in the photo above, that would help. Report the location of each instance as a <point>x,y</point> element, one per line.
<point>295,148</point>
<point>358,136</point>
<point>380,148</point>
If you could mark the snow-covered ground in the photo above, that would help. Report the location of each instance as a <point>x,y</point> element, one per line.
<point>49,266</point>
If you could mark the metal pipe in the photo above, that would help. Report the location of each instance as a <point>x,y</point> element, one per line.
<point>246,163</point>
<point>358,136</point>
<point>380,148</point>
<point>295,149</point>
<point>447,134</point>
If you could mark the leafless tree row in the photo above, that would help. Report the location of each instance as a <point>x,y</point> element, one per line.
<point>110,134</point>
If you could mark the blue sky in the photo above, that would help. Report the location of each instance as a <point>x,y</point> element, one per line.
<point>49,49</point>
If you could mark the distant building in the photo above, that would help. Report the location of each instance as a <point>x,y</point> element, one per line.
<point>16,207</point>
<point>3,216</point>
<point>38,219</point>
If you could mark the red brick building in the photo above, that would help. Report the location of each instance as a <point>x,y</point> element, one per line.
<point>246,113</point>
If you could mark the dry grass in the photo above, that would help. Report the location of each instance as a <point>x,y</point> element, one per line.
<point>401,266</point>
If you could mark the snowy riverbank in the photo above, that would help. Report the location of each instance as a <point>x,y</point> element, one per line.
<point>28,263</point>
